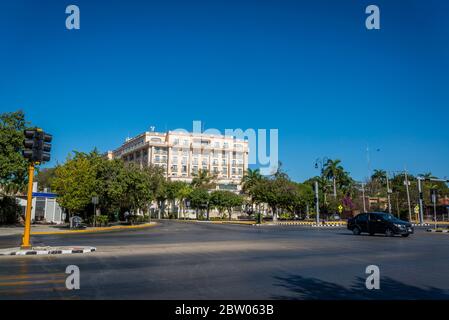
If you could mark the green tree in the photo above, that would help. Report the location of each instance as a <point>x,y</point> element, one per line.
<point>250,180</point>
<point>173,192</point>
<point>183,194</point>
<point>75,183</point>
<point>13,167</point>
<point>199,200</point>
<point>332,170</point>
<point>44,177</point>
<point>218,201</point>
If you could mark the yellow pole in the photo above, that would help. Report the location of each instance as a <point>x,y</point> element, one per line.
<point>26,233</point>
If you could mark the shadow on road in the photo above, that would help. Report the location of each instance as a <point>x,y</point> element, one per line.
<point>302,288</point>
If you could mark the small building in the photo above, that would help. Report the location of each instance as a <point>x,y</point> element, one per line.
<point>45,208</point>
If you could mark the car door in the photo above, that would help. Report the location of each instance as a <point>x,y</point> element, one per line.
<point>362,222</point>
<point>376,223</point>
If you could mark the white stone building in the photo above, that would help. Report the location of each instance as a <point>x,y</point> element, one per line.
<point>182,155</point>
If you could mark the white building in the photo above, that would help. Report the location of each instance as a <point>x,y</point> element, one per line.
<point>182,155</point>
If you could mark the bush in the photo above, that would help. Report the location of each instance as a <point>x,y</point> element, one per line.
<point>286,216</point>
<point>217,218</point>
<point>9,210</point>
<point>135,219</point>
<point>102,220</point>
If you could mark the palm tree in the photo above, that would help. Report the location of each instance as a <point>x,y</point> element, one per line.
<point>250,180</point>
<point>332,170</point>
<point>203,179</point>
<point>182,195</point>
<point>379,175</point>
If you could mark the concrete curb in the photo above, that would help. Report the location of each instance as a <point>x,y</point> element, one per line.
<point>103,229</point>
<point>327,225</point>
<point>45,250</point>
<point>439,231</point>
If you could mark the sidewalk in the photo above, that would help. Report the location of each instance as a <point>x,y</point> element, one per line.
<point>63,229</point>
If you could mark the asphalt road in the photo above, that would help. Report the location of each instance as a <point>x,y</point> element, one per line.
<point>177,260</point>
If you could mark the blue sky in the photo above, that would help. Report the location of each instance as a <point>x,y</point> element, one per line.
<point>307,68</point>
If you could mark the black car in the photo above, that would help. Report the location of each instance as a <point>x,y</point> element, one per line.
<point>379,222</point>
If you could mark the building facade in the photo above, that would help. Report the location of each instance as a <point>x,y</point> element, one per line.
<point>183,154</point>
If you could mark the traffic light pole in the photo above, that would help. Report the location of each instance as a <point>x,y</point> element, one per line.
<point>317,203</point>
<point>27,230</point>
<point>421,209</point>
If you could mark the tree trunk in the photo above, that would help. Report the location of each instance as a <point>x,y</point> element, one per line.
<point>335,188</point>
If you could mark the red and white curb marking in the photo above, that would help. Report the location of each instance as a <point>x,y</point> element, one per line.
<point>46,250</point>
<point>440,231</point>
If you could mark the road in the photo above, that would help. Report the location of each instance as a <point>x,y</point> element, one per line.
<point>179,260</point>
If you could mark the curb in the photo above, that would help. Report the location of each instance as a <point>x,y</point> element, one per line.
<point>102,229</point>
<point>327,225</point>
<point>46,250</point>
<point>439,231</point>
<point>310,224</point>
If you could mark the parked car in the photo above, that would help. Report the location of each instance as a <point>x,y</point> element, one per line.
<point>379,222</point>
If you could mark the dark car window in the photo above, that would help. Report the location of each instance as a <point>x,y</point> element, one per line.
<point>381,216</point>
<point>362,217</point>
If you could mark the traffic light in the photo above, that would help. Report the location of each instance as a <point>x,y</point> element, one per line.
<point>37,145</point>
<point>28,144</point>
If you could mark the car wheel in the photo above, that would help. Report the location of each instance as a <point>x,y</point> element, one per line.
<point>405,235</point>
<point>389,233</point>
<point>356,231</point>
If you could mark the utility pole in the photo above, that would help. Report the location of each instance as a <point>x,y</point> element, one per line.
<point>406,182</point>
<point>363,195</point>
<point>421,210</point>
<point>317,204</point>
<point>434,200</point>
<point>388,194</point>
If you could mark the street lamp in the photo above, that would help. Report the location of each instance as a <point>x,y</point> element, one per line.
<point>321,162</point>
